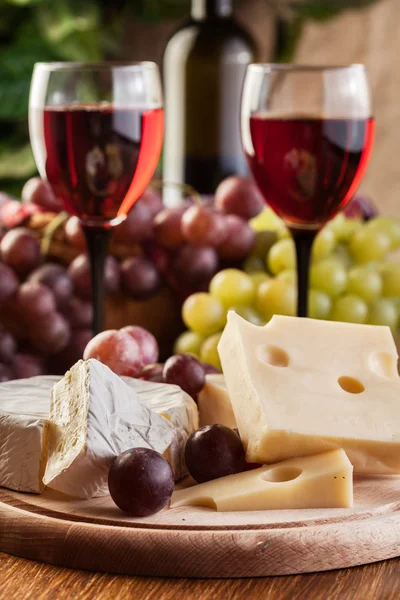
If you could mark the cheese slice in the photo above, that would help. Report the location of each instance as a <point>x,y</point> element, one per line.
<point>302,386</point>
<point>320,481</point>
<point>172,403</point>
<point>94,417</point>
<point>24,411</point>
<point>214,402</point>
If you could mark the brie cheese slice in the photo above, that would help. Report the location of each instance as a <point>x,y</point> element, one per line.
<point>94,417</point>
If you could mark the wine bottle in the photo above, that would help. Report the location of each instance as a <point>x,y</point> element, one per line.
<point>204,66</point>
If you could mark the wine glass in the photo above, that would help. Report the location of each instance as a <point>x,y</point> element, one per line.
<point>96,132</point>
<point>307,133</point>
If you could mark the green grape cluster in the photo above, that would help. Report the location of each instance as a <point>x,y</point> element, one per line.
<point>353,278</point>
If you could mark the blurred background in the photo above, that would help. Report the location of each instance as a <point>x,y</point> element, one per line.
<point>309,31</point>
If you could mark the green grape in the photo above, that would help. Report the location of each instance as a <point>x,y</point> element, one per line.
<point>341,253</point>
<point>267,220</point>
<point>329,276</point>
<point>253,264</point>
<point>319,304</point>
<point>283,233</point>
<point>365,283</point>
<point>189,342</point>
<point>383,312</point>
<point>343,228</point>
<point>369,244</point>
<point>276,297</point>
<point>324,244</point>
<point>209,351</point>
<point>391,279</point>
<point>350,309</point>
<point>248,313</point>
<point>258,278</point>
<point>203,313</point>
<point>281,256</point>
<point>389,226</point>
<point>232,287</point>
<point>263,242</point>
<point>289,275</point>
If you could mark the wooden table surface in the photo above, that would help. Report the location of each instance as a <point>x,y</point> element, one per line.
<point>24,580</point>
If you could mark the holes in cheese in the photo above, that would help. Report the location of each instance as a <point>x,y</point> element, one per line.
<point>351,385</point>
<point>282,474</point>
<point>383,364</point>
<point>274,356</point>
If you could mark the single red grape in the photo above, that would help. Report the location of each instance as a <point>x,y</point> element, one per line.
<point>186,371</point>
<point>153,202</point>
<point>148,346</point>
<point>139,277</point>
<point>167,227</point>
<point>51,334</point>
<point>34,301</point>
<point>8,283</point>
<point>141,482</point>
<point>214,451</point>
<point>239,196</point>
<point>194,265</point>
<point>79,271</point>
<point>239,241</point>
<point>203,226</point>
<point>20,250</point>
<point>39,192</point>
<point>209,369</point>
<point>79,313</point>
<point>116,349</point>
<point>152,373</point>
<point>56,278</point>
<point>136,227</point>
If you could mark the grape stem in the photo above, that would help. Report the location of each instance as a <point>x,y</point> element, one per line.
<point>303,241</point>
<point>184,187</point>
<point>97,240</point>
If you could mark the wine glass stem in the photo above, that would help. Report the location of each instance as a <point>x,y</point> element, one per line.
<point>97,240</point>
<point>303,240</point>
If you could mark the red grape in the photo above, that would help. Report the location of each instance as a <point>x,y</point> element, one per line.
<point>153,202</point>
<point>239,196</point>
<point>141,482</point>
<point>186,371</point>
<point>194,265</point>
<point>34,301</point>
<point>20,250</point>
<point>214,451</point>
<point>56,278</point>
<point>74,233</point>
<point>79,271</point>
<point>79,313</point>
<point>137,225</point>
<point>28,365</point>
<point>148,346</point>
<point>8,346</point>
<point>209,369</point>
<point>203,226</point>
<point>13,213</point>
<point>8,283</point>
<point>40,192</point>
<point>167,227</point>
<point>139,277</point>
<point>116,349</point>
<point>152,373</point>
<point>5,373</point>
<point>64,360</point>
<point>239,241</point>
<point>51,334</point>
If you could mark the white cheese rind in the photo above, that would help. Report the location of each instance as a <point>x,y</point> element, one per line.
<point>320,481</point>
<point>284,379</point>
<point>24,410</point>
<point>95,417</point>
<point>171,402</point>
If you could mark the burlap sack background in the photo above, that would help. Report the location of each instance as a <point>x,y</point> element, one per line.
<point>370,36</point>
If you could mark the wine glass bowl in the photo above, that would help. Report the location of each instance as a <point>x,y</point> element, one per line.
<point>307,133</point>
<point>96,132</point>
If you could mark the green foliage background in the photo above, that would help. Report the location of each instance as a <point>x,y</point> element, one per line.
<point>90,30</point>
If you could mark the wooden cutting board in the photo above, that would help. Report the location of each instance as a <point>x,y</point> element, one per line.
<point>199,542</point>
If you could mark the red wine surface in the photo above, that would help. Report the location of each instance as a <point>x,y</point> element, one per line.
<point>100,159</point>
<point>308,168</point>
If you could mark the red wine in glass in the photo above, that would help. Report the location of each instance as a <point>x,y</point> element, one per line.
<point>99,159</point>
<point>308,168</point>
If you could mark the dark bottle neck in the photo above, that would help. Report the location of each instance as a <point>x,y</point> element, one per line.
<point>205,9</point>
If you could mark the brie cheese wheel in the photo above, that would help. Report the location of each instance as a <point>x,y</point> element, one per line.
<point>171,402</point>
<point>94,417</point>
<point>24,410</point>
